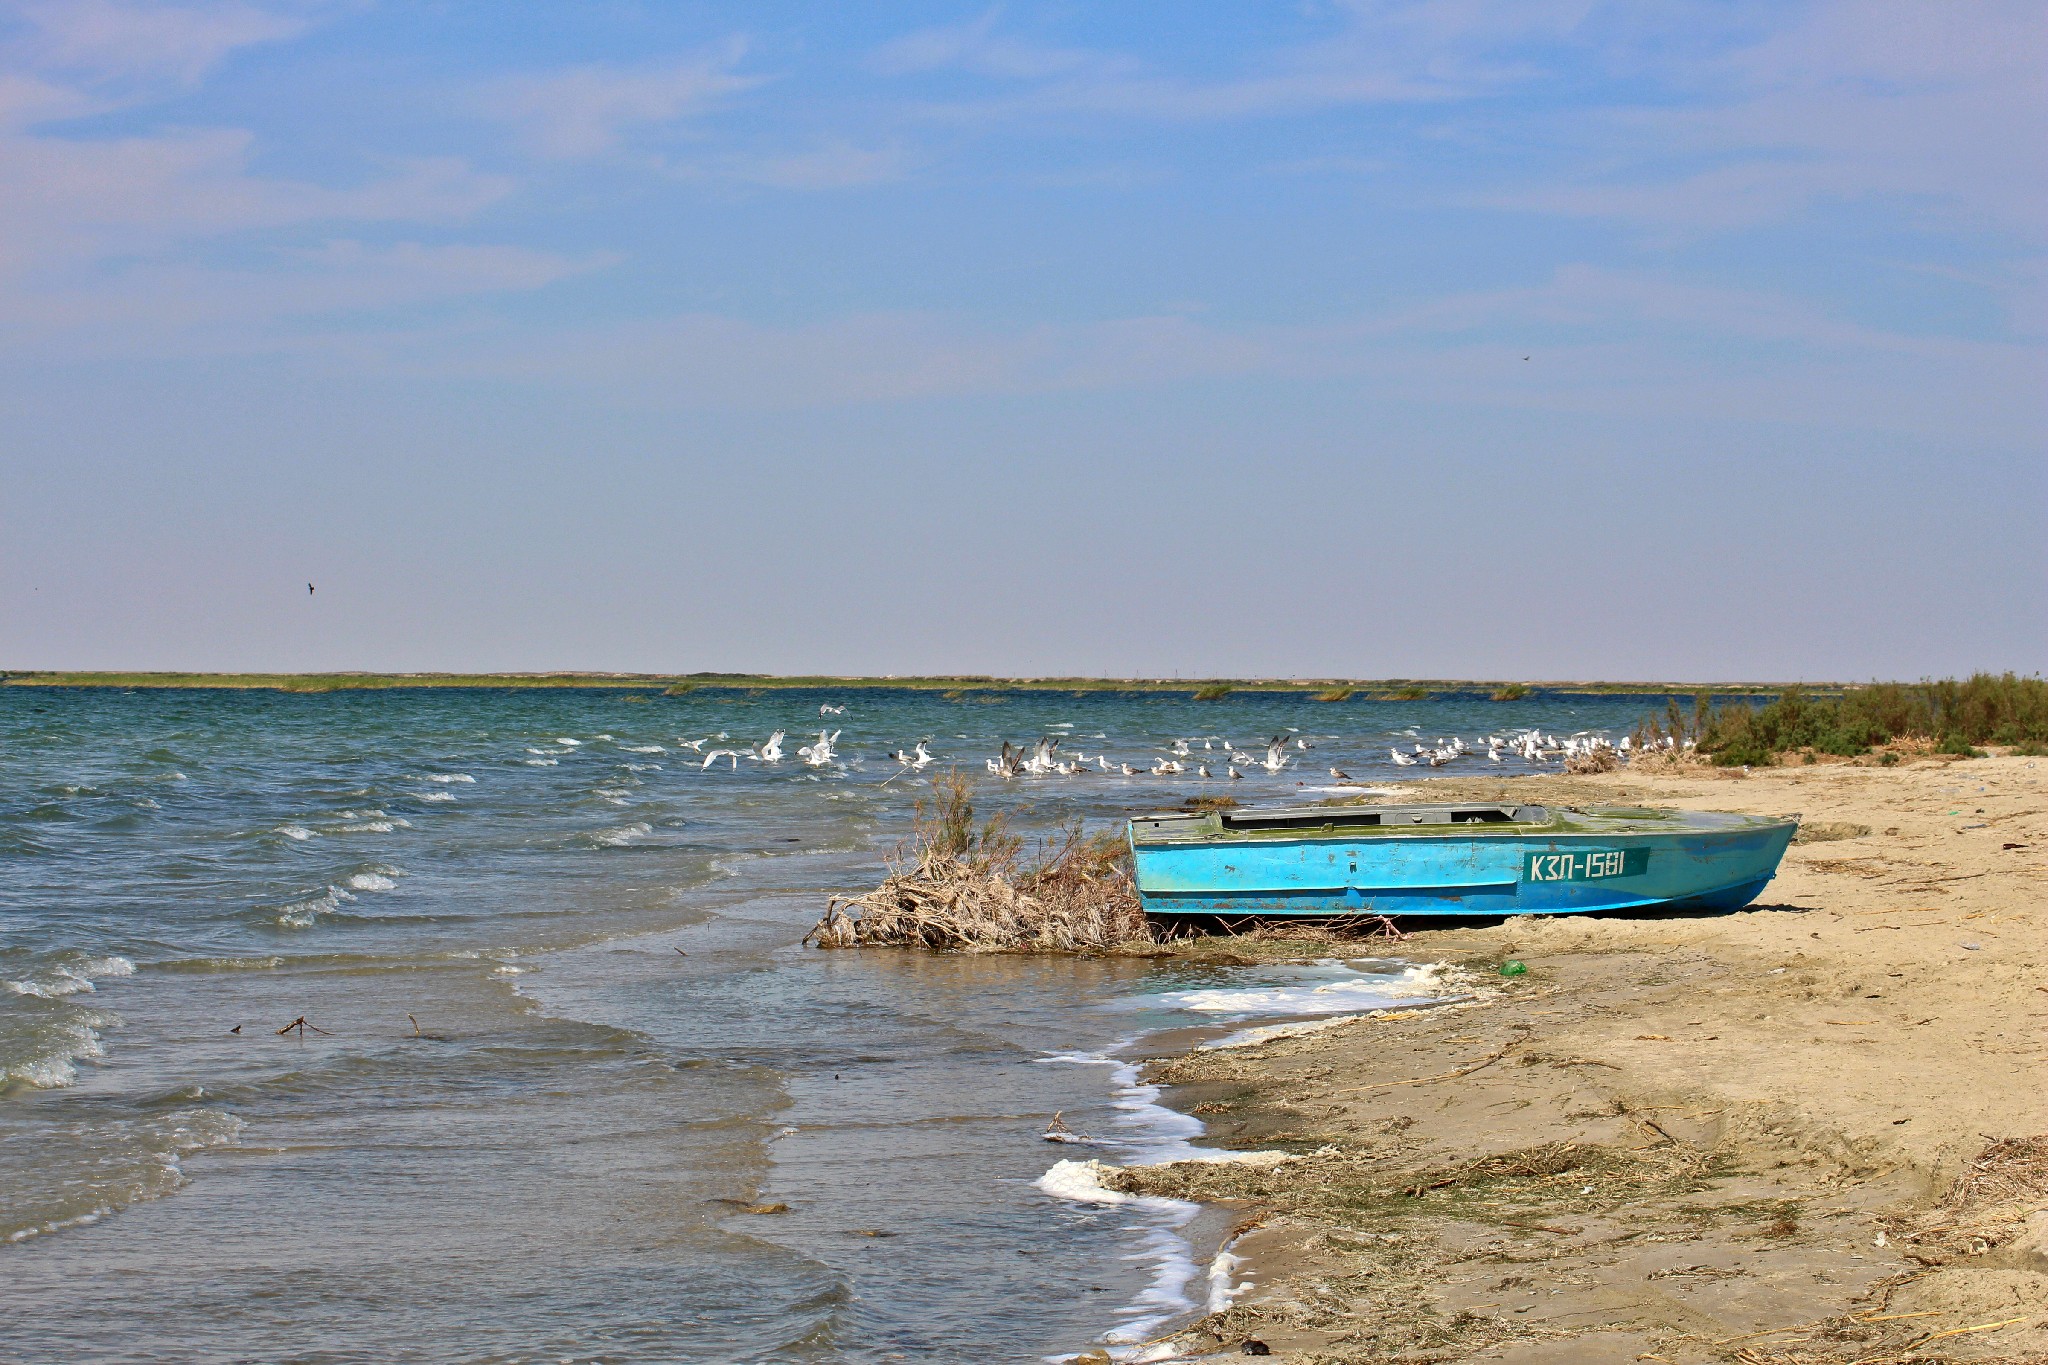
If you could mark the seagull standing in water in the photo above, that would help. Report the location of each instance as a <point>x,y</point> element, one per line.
<point>1401,760</point>
<point>1340,774</point>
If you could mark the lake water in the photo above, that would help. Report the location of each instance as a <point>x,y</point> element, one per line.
<point>561,1032</point>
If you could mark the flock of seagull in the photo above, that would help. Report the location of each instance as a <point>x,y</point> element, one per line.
<point>1045,759</point>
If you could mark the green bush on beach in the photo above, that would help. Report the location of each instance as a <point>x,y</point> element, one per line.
<point>1956,716</point>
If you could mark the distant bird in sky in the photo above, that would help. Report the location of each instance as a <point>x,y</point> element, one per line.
<point>309,590</point>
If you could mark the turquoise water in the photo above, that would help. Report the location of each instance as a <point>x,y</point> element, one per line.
<point>561,1031</point>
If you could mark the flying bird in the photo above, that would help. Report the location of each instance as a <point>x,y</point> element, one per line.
<point>309,590</point>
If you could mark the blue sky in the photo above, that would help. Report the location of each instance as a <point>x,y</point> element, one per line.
<point>1453,338</point>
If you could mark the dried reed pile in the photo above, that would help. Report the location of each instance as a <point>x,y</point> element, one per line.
<point>953,886</point>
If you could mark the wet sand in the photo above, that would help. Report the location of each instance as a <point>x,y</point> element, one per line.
<point>1780,1137</point>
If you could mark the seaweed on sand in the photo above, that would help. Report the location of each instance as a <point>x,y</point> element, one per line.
<point>957,886</point>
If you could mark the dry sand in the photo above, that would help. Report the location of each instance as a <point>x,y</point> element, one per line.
<point>1795,1134</point>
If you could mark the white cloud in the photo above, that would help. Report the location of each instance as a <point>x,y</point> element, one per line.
<point>66,199</point>
<point>1421,51</point>
<point>588,111</point>
<point>187,308</point>
<point>134,39</point>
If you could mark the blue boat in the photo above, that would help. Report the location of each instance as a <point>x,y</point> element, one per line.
<point>1474,859</point>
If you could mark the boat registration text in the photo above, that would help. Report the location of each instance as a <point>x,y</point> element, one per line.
<point>1585,866</point>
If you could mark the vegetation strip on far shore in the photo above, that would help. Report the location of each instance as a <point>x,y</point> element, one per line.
<point>1208,689</point>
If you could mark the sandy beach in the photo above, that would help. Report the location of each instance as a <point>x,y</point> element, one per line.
<point>1812,1131</point>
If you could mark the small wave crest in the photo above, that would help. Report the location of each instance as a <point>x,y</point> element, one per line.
<point>302,914</point>
<point>450,777</point>
<point>118,1165</point>
<point>620,836</point>
<point>70,976</point>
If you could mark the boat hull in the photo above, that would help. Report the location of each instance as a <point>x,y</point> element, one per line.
<point>1534,873</point>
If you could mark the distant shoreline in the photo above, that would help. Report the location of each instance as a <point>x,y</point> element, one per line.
<point>1208,689</point>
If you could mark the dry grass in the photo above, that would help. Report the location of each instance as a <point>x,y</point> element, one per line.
<point>1598,761</point>
<point>953,886</point>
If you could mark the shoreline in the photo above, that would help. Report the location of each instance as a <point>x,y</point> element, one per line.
<point>1794,1133</point>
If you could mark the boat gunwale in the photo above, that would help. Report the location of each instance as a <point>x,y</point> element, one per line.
<point>1206,829</point>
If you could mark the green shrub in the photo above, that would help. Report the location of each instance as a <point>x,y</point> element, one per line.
<point>1985,708</point>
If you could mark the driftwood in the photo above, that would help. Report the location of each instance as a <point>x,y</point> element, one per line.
<point>953,886</point>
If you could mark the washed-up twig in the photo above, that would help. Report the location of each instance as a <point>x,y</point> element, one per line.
<point>1057,1131</point>
<point>301,1025</point>
<point>1479,1065</point>
<point>1961,1331</point>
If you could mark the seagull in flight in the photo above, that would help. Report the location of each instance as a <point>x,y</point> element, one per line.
<point>309,590</point>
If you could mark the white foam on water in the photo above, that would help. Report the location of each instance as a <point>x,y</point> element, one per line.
<point>437,796</point>
<point>70,978</point>
<point>55,1048</point>
<point>1347,994</point>
<point>450,777</point>
<point>621,836</point>
<point>572,743</point>
<point>643,748</point>
<point>542,762</point>
<point>1267,1033</point>
<point>302,914</point>
<point>149,1167</point>
<point>643,767</point>
<point>369,827</point>
<point>371,881</point>
<point>1081,1182</point>
<point>1153,1134</point>
<point>1224,1289</point>
<point>295,831</point>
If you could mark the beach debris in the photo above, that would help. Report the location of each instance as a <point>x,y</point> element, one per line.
<point>751,1206</point>
<point>301,1026</point>
<point>236,1029</point>
<point>1252,1346</point>
<point>1514,967</point>
<point>1058,1131</point>
<point>956,885</point>
<point>1488,1060</point>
